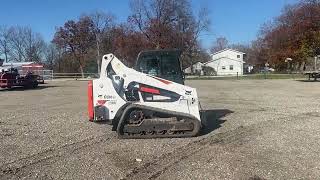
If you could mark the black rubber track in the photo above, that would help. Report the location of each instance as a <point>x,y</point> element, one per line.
<point>121,134</point>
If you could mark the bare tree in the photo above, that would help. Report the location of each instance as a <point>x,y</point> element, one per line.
<point>220,44</point>
<point>198,25</point>
<point>102,24</point>
<point>35,46</point>
<point>17,39</point>
<point>5,42</point>
<point>169,24</point>
<point>52,55</point>
<point>167,21</point>
<point>25,44</point>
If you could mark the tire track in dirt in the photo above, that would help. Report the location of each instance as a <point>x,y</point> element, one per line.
<point>152,170</point>
<point>13,168</point>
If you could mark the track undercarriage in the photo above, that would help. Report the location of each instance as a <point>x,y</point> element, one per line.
<point>145,122</point>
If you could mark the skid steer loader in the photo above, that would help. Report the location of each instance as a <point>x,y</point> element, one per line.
<point>142,104</point>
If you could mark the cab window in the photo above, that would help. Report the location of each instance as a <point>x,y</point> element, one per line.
<point>170,65</point>
<point>150,65</point>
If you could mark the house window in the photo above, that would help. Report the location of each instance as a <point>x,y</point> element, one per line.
<point>223,67</point>
<point>231,67</point>
<point>238,56</point>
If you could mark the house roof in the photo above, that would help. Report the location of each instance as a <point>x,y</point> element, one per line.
<point>223,57</point>
<point>189,67</point>
<point>227,49</point>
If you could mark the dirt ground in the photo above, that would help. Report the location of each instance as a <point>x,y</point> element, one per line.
<point>254,129</point>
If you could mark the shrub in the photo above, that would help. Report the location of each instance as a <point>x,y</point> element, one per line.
<point>209,71</point>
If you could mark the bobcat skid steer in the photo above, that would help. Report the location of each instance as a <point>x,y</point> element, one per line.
<point>141,105</point>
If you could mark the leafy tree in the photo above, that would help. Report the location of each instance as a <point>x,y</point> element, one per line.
<point>77,38</point>
<point>128,44</point>
<point>294,34</point>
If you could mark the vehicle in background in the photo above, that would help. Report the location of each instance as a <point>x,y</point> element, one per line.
<point>35,68</point>
<point>24,68</point>
<point>266,69</point>
<point>10,78</point>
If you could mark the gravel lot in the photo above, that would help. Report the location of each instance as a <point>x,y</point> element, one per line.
<point>255,129</point>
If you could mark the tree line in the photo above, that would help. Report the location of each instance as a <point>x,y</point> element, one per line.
<point>153,24</point>
<point>79,44</point>
<point>21,44</point>
<point>294,34</point>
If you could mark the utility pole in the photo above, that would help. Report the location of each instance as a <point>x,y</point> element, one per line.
<point>315,62</point>
<point>266,68</point>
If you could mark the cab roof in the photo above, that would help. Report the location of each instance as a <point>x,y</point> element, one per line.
<point>176,52</point>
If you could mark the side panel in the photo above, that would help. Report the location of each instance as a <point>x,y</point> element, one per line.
<point>106,100</point>
<point>186,104</point>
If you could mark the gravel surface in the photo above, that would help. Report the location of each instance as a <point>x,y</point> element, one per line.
<point>255,129</point>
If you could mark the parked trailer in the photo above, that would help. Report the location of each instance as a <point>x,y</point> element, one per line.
<point>315,74</point>
<point>36,69</point>
<point>11,78</point>
<point>312,74</point>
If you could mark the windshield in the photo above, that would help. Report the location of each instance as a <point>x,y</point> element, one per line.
<point>150,65</point>
<point>166,66</point>
<point>170,65</point>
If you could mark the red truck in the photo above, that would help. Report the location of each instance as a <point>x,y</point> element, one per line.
<point>11,78</point>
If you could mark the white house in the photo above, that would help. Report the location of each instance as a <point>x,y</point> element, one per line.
<point>196,68</point>
<point>227,62</point>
